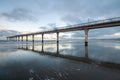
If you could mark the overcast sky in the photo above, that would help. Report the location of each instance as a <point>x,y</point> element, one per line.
<point>38,15</point>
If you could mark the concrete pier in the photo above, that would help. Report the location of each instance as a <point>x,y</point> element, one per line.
<point>86,36</point>
<point>22,40</point>
<point>32,42</point>
<point>57,37</point>
<point>42,38</point>
<point>42,42</point>
<point>18,38</point>
<point>26,41</point>
<point>26,38</point>
<point>111,22</point>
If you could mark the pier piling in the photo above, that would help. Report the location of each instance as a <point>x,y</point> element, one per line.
<point>86,36</point>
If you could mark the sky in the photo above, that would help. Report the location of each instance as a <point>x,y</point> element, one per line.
<point>24,16</point>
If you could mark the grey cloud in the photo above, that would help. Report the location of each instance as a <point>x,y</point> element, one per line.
<point>50,26</point>
<point>70,10</point>
<point>8,32</point>
<point>78,11</point>
<point>69,19</point>
<point>19,14</point>
<point>5,33</point>
<point>84,9</point>
<point>43,27</point>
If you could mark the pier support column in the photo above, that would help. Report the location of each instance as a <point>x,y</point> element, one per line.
<point>42,38</point>
<point>18,41</point>
<point>7,38</point>
<point>42,42</point>
<point>32,42</point>
<point>86,36</point>
<point>57,37</point>
<point>18,38</point>
<point>22,40</point>
<point>26,41</point>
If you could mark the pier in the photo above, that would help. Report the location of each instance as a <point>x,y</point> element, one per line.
<point>111,22</point>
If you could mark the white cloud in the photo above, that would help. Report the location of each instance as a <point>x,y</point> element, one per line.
<point>115,35</point>
<point>2,19</point>
<point>4,28</point>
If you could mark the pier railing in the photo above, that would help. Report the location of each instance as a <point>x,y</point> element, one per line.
<point>92,22</point>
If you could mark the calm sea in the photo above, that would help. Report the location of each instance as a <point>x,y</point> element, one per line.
<point>68,60</point>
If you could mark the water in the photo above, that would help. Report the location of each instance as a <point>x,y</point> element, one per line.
<point>68,60</point>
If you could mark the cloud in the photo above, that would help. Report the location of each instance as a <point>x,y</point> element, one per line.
<point>69,19</point>
<point>68,12</point>
<point>5,33</point>
<point>18,14</point>
<point>2,19</point>
<point>4,27</point>
<point>49,26</point>
<point>79,11</point>
<point>115,35</point>
<point>84,9</point>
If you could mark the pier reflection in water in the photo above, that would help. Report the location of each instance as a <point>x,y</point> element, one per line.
<point>100,60</point>
<point>77,52</point>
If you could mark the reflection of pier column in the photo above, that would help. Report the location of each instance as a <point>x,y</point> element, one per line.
<point>86,52</point>
<point>26,41</point>
<point>32,42</point>
<point>18,41</point>
<point>42,42</point>
<point>22,40</point>
<point>42,47</point>
<point>86,36</point>
<point>57,47</point>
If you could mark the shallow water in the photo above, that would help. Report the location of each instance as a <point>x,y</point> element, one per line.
<point>68,60</point>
